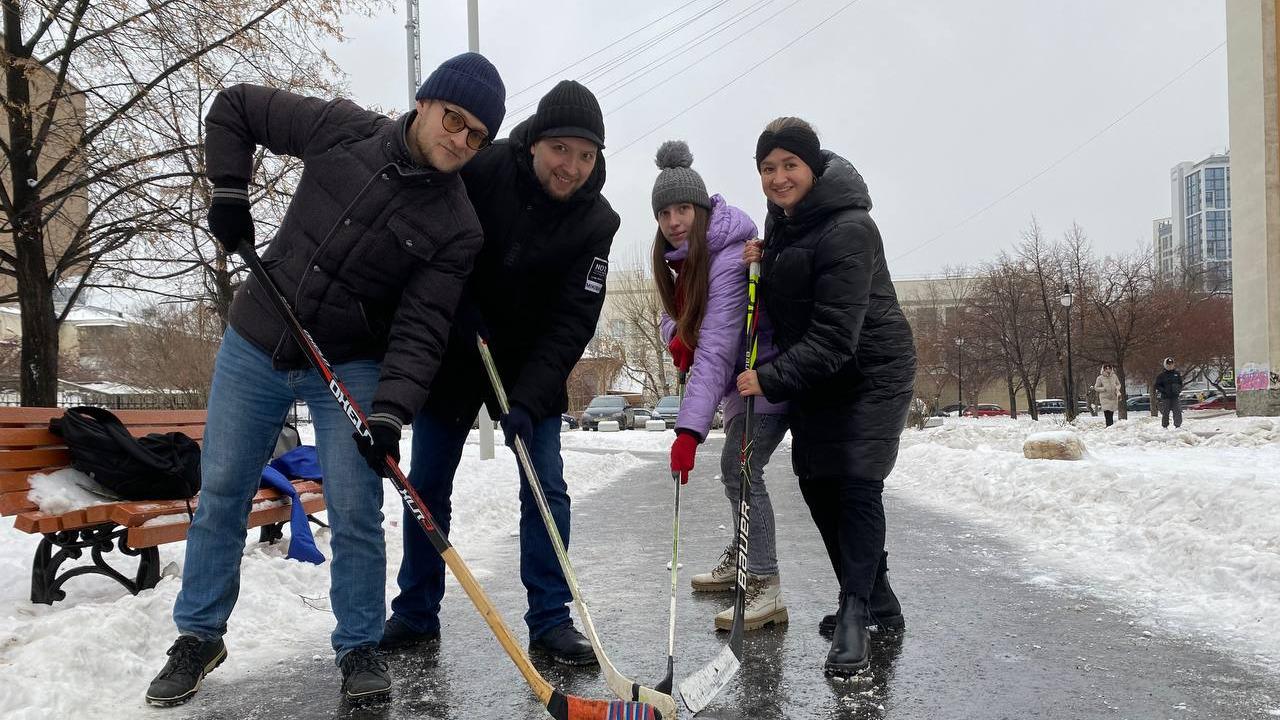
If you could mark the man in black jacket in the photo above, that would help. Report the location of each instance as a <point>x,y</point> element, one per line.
<point>536,294</point>
<point>373,254</point>
<point>1169,390</point>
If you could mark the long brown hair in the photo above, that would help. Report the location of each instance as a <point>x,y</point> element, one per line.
<point>695,278</point>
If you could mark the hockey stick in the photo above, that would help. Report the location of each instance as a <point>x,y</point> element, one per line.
<point>621,685</point>
<point>665,685</point>
<point>701,687</point>
<point>559,705</point>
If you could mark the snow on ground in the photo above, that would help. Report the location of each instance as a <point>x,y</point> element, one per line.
<point>94,653</point>
<point>1178,527</point>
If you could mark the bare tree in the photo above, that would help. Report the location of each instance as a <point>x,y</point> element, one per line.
<point>638,338</point>
<point>85,146</point>
<point>170,351</point>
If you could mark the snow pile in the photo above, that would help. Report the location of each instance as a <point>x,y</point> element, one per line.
<point>1053,445</point>
<point>65,490</point>
<point>93,654</point>
<point>1177,526</point>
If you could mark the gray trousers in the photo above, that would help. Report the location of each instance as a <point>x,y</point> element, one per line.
<point>762,551</point>
<point>1167,406</point>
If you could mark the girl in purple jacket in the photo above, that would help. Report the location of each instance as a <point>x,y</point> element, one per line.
<point>702,281</point>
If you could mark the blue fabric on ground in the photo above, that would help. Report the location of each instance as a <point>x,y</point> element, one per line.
<point>300,462</point>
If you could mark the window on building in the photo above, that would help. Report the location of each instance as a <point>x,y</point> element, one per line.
<point>1215,188</point>
<point>1193,193</point>
<point>1191,246</point>
<point>1215,235</point>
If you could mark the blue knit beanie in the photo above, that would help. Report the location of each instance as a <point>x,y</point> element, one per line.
<point>471,81</point>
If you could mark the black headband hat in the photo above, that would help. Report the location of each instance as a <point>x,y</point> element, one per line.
<point>799,140</point>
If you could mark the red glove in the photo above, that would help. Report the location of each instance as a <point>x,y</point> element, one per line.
<point>681,355</point>
<point>682,452</point>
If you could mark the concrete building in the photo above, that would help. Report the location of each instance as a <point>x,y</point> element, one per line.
<point>1201,221</point>
<point>1167,262</point>
<point>1253,89</point>
<point>60,226</point>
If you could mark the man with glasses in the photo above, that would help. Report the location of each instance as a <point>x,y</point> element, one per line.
<point>373,253</point>
<point>536,295</point>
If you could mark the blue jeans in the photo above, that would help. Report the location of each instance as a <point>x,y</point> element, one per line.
<point>247,406</point>
<point>762,546</point>
<point>437,448</point>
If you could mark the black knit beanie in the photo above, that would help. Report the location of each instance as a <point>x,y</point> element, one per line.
<point>799,140</point>
<point>569,110</point>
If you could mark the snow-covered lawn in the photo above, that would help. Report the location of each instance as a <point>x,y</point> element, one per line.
<point>93,654</point>
<point>1179,527</point>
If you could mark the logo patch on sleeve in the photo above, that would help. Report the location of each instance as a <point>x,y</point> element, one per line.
<point>596,275</point>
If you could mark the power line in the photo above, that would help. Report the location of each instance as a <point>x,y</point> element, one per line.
<point>610,46</point>
<point>626,55</point>
<point>1062,159</point>
<point>738,77</point>
<point>695,63</point>
<point>686,47</point>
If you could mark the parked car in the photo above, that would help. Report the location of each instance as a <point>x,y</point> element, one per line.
<point>667,409</point>
<point>984,410</point>
<point>950,410</point>
<point>569,420</point>
<point>1058,406</point>
<point>1218,402</point>
<point>604,407</point>
<point>637,417</point>
<point>1051,406</point>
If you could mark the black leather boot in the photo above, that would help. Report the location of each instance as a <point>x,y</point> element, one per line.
<point>850,643</point>
<point>885,610</point>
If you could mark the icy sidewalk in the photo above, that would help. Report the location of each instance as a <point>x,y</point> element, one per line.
<point>983,640</point>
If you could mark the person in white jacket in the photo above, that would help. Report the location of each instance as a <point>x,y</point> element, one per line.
<point>1108,388</point>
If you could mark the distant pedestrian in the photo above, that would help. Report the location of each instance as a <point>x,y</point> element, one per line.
<point>1108,388</point>
<point>1168,390</point>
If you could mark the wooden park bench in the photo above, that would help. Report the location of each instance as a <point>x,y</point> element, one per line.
<point>136,528</point>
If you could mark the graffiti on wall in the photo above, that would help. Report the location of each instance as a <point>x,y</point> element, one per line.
<point>1257,376</point>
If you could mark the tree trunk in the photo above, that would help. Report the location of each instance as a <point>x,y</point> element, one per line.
<point>1013,397</point>
<point>38,374</point>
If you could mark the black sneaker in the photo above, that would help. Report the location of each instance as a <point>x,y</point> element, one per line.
<point>398,636</point>
<point>365,675</point>
<point>565,645</point>
<point>190,660</point>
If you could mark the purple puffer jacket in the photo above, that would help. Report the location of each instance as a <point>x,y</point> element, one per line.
<point>720,354</point>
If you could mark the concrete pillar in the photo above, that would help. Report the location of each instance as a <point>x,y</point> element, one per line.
<point>1253,73</point>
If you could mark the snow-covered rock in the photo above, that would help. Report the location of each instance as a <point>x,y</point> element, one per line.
<point>1053,445</point>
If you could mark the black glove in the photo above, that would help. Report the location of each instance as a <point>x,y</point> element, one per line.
<point>517,423</point>
<point>385,430</point>
<point>229,218</point>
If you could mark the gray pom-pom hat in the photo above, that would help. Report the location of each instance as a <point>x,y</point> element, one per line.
<point>677,181</point>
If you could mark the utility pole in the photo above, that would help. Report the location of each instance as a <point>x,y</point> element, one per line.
<point>413,39</point>
<point>485,419</point>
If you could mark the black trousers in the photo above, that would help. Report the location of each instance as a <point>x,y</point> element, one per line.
<point>1110,416</point>
<point>849,511</point>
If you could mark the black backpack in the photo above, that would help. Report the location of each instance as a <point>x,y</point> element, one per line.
<point>159,466</point>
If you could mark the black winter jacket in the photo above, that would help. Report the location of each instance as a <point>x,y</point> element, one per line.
<point>847,358</point>
<point>373,251</point>
<point>1169,384</point>
<point>538,284</point>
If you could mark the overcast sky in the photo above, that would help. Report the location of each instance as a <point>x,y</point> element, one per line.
<point>944,106</point>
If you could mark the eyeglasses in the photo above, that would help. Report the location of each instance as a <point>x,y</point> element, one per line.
<point>454,122</point>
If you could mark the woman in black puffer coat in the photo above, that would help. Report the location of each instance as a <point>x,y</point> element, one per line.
<point>846,365</point>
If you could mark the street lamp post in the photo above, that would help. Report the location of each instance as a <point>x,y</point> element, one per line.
<point>1066,300</point>
<point>960,373</point>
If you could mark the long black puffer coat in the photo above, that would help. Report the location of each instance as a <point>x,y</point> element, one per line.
<point>538,284</point>
<point>847,361</point>
<point>373,251</point>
